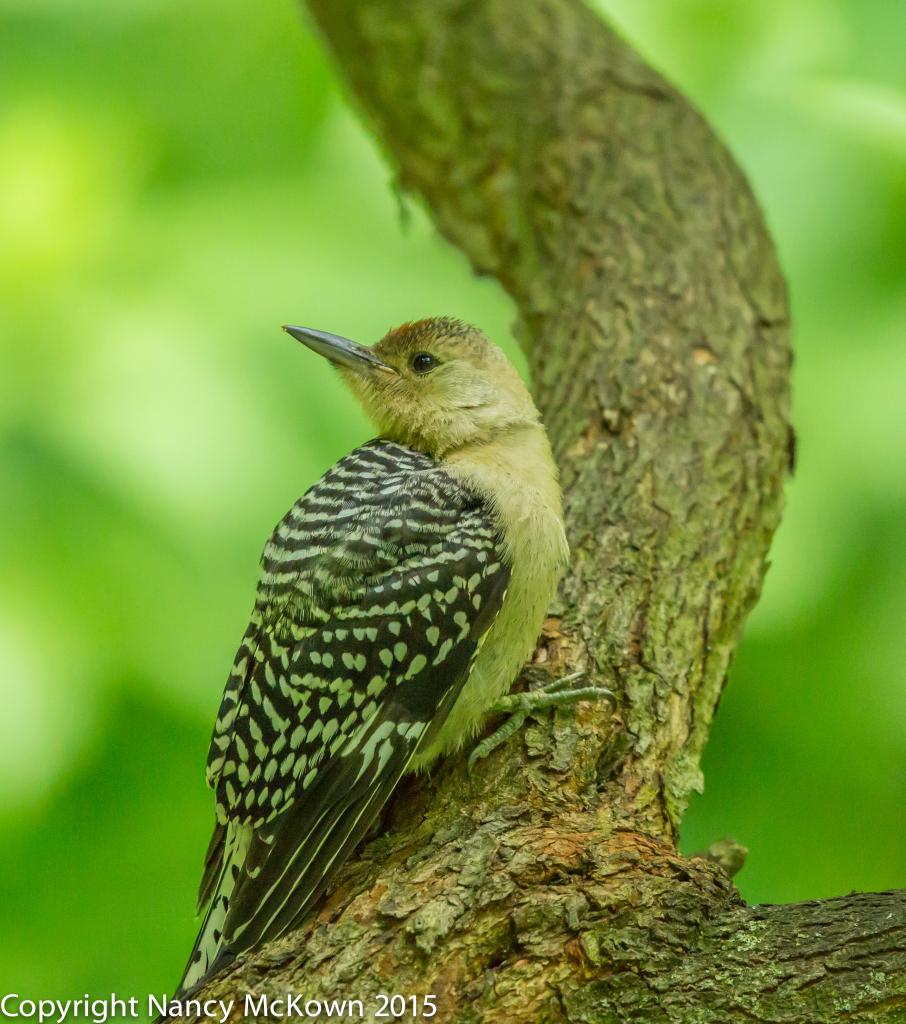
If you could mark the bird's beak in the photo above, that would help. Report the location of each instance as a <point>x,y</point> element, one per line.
<point>338,350</point>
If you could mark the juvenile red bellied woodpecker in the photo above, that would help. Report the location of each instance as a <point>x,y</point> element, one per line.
<point>397,601</point>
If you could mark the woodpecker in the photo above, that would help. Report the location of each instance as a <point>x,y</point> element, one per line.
<point>397,601</point>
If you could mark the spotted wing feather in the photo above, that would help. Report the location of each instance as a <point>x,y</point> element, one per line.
<point>375,592</point>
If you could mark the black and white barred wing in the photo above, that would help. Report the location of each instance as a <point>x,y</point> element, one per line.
<point>376,591</point>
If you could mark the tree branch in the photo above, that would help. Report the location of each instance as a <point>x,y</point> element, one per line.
<point>547,886</point>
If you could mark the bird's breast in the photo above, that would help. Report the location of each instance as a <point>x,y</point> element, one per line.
<point>537,552</point>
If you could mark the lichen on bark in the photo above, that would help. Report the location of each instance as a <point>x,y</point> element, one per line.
<point>547,885</point>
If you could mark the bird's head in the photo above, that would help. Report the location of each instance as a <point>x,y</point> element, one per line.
<point>435,384</point>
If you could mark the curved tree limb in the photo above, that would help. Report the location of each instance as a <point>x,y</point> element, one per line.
<point>547,885</point>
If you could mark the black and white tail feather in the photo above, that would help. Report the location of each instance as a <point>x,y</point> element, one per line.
<point>376,591</point>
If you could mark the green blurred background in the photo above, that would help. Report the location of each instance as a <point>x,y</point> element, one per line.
<point>177,178</point>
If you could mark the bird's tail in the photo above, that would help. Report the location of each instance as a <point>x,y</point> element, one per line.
<point>209,954</point>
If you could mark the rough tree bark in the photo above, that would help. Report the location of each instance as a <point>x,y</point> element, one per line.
<point>547,885</point>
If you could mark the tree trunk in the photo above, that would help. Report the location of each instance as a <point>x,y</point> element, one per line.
<point>547,886</point>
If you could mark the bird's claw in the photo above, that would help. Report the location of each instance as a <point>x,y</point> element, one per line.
<point>520,705</point>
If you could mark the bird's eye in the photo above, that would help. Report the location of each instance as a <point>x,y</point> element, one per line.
<point>423,362</point>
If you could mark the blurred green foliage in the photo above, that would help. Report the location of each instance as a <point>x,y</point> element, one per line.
<point>177,177</point>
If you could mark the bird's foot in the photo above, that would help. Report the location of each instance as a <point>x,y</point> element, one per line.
<point>520,705</point>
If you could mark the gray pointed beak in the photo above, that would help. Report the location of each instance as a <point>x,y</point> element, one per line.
<point>338,350</point>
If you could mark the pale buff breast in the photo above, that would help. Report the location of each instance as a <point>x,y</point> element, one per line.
<point>520,485</point>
